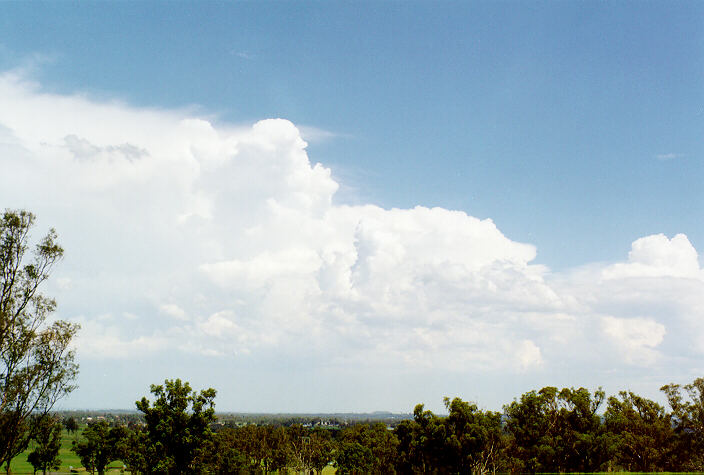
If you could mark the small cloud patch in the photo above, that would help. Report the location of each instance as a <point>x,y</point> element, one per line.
<point>669,156</point>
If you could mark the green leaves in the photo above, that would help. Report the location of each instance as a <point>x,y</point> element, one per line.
<point>36,365</point>
<point>640,432</point>
<point>177,429</point>
<point>468,440</point>
<point>687,403</point>
<point>46,432</point>
<point>556,431</point>
<point>101,446</point>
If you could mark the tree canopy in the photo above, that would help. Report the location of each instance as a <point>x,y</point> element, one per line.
<point>177,429</point>
<point>101,445</point>
<point>547,430</point>
<point>46,433</point>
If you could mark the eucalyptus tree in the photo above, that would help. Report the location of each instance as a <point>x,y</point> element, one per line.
<point>226,458</point>
<point>354,458</point>
<point>101,445</point>
<point>381,441</point>
<point>310,450</point>
<point>421,442</point>
<point>46,434</point>
<point>71,425</point>
<point>641,433</point>
<point>687,403</point>
<point>553,430</point>
<point>475,441</point>
<point>177,435</point>
<point>36,365</point>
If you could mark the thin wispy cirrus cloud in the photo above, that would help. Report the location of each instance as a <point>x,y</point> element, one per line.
<point>243,54</point>
<point>222,246</point>
<point>669,156</point>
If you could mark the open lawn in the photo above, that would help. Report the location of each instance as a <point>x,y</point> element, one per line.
<point>69,460</point>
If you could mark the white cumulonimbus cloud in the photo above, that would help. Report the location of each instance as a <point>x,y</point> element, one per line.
<point>183,235</point>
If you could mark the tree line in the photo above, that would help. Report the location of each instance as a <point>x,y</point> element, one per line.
<point>546,430</point>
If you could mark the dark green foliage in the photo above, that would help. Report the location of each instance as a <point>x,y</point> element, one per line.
<point>466,441</point>
<point>382,443</point>
<point>532,423</point>
<point>36,365</point>
<point>255,449</point>
<point>354,458</point>
<point>422,443</point>
<point>70,424</point>
<point>177,435</point>
<point>249,441</point>
<point>263,448</point>
<point>474,438</point>
<point>226,458</point>
<point>277,454</point>
<point>556,431</point>
<point>585,445</point>
<point>549,430</point>
<point>15,435</point>
<point>101,446</point>
<point>640,433</point>
<point>46,433</point>
<point>687,417</point>
<point>310,450</point>
<point>321,448</point>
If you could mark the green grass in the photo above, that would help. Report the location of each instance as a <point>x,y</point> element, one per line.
<point>20,465</point>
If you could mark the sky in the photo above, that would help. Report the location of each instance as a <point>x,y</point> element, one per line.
<point>361,206</point>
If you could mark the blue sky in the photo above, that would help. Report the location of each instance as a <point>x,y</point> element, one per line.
<point>575,127</point>
<point>548,117</point>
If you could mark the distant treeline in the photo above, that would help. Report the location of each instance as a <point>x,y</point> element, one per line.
<point>550,430</point>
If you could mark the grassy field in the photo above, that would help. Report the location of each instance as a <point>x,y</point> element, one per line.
<point>69,460</point>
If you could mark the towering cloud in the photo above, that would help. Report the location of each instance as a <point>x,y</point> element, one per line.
<point>188,236</point>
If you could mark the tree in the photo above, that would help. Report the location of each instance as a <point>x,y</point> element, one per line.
<point>226,458</point>
<point>641,433</point>
<point>321,447</point>
<point>475,437</point>
<point>46,432</point>
<point>311,450</point>
<point>687,405</point>
<point>277,449</point>
<point>101,446</point>
<point>556,431</point>
<point>177,429</point>
<point>529,423</point>
<point>422,444</point>
<point>71,425</point>
<point>377,438</point>
<point>251,441</point>
<point>468,440</point>
<point>266,448</point>
<point>353,458</point>
<point>36,365</point>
